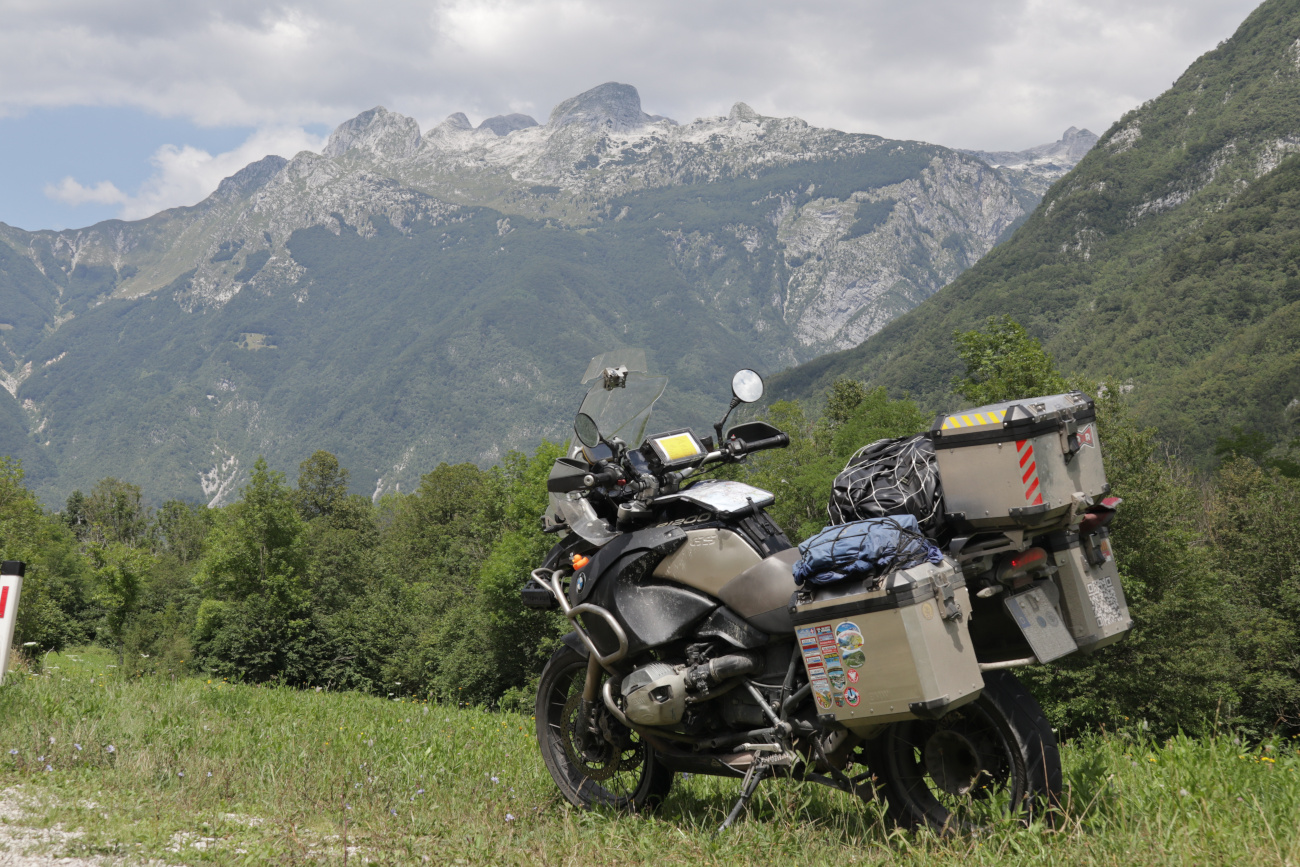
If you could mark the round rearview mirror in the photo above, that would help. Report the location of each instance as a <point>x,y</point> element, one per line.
<point>747,386</point>
<point>585,427</point>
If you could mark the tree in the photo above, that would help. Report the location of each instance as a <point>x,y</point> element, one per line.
<point>1004,362</point>
<point>114,512</point>
<point>256,547</point>
<point>53,609</point>
<point>179,529</point>
<point>121,573</point>
<point>255,619</point>
<point>322,485</point>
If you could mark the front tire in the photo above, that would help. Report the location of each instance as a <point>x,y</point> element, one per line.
<point>978,764</point>
<point>615,769</point>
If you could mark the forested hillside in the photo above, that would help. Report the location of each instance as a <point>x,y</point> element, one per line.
<point>1168,259</point>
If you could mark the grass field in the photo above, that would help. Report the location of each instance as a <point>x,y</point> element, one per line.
<point>196,771</point>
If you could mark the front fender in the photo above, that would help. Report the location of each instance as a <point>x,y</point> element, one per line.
<point>573,642</point>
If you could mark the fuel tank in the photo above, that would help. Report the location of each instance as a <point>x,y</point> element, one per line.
<point>710,559</point>
<point>761,594</point>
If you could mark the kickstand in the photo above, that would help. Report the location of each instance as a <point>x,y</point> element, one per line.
<point>753,777</point>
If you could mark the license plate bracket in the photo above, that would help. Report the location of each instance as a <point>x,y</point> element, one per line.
<point>1041,624</point>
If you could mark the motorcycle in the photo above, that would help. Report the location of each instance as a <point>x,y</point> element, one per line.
<point>693,649</point>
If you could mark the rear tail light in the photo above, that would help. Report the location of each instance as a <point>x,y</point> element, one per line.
<point>1017,569</point>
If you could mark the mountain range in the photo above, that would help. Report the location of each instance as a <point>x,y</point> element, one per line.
<point>408,297</point>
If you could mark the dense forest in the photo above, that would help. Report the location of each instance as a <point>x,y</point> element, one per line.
<point>417,594</point>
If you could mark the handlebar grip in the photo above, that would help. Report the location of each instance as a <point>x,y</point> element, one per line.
<point>779,441</point>
<point>607,476</point>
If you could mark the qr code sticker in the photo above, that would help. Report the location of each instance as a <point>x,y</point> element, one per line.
<point>1104,601</point>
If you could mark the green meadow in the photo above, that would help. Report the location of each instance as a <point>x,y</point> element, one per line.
<point>195,770</point>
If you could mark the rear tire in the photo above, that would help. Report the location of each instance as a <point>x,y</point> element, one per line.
<point>617,769</point>
<point>978,764</point>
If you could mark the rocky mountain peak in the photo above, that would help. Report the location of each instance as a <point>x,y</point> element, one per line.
<point>611,106</point>
<point>251,177</point>
<point>1075,142</point>
<point>504,124</point>
<point>384,133</point>
<point>743,112</point>
<point>457,120</point>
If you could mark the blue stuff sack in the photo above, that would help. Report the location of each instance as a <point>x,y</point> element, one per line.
<point>864,549</point>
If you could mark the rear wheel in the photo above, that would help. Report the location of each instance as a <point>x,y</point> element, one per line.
<point>994,757</point>
<point>596,761</point>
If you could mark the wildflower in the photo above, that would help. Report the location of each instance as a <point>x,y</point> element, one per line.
<point>495,781</point>
<point>1184,792</point>
<point>40,758</point>
<point>391,810</point>
<point>510,817</point>
<point>48,769</point>
<point>13,752</point>
<point>180,773</point>
<point>419,791</point>
<point>78,746</point>
<point>209,773</point>
<point>51,740</point>
<point>111,748</point>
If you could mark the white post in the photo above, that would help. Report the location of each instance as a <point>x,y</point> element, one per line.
<point>11,585</point>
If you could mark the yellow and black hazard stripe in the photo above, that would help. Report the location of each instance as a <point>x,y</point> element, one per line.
<point>974,419</point>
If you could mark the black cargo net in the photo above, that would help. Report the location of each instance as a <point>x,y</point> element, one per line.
<point>890,477</point>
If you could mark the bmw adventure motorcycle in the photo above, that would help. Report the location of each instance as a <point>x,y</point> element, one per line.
<point>694,650</point>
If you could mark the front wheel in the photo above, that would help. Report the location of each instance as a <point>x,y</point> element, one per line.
<point>994,757</point>
<point>596,761</point>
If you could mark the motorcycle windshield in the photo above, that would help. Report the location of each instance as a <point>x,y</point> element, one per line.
<point>624,410</point>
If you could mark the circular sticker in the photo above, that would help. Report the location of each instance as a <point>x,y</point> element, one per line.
<point>849,639</point>
<point>852,697</point>
<point>927,611</point>
<point>848,636</point>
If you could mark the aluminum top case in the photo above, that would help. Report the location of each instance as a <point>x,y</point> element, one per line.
<point>900,651</point>
<point>1020,465</point>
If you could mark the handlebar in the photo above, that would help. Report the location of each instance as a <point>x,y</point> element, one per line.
<point>741,447</point>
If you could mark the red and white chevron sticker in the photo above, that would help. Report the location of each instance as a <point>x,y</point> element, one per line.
<point>1029,472</point>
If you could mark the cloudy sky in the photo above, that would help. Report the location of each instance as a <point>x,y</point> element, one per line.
<point>121,109</point>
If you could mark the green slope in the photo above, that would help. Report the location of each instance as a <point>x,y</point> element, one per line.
<point>1169,257</point>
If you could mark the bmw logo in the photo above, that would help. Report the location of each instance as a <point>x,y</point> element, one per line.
<point>582,581</point>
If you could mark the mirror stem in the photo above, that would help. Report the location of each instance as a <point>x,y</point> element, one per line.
<point>717,427</point>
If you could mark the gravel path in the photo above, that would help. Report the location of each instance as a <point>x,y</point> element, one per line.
<point>22,845</point>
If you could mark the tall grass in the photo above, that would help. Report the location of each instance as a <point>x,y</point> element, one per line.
<point>196,770</point>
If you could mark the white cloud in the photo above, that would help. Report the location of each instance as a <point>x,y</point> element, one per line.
<point>72,193</point>
<point>185,175</point>
<point>995,74</point>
